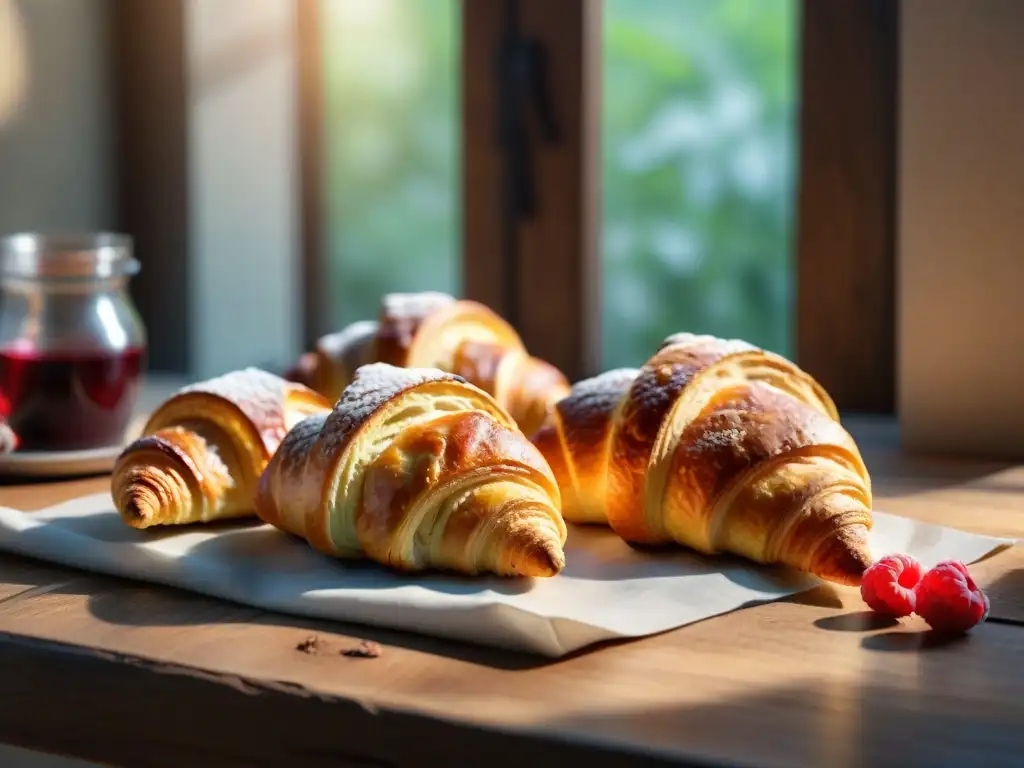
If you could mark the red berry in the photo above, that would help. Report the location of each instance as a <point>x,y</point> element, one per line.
<point>949,600</point>
<point>888,585</point>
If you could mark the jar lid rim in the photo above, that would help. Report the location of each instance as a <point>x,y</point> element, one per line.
<point>96,255</point>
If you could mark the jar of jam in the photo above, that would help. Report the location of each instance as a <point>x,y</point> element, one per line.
<point>72,345</point>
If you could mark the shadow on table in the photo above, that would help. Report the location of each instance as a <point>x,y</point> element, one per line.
<point>1006,597</point>
<point>140,604</point>
<point>898,472</point>
<point>882,718</point>
<point>216,550</point>
<point>898,475</point>
<point>856,621</point>
<point>153,602</point>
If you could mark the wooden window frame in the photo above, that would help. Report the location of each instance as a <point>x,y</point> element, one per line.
<point>845,228</point>
<point>148,59</point>
<point>185,190</point>
<point>846,233</point>
<point>312,161</point>
<point>540,266</point>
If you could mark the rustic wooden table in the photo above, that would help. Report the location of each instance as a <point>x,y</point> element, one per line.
<point>139,675</point>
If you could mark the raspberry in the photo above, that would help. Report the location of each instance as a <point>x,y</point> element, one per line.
<point>949,600</point>
<point>888,585</point>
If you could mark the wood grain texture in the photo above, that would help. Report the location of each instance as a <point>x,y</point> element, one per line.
<point>312,171</point>
<point>847,200</point>
<point>148,49</point>
<point>482,248</point>
<point>559,261</point>
<point>808,681</point>
<point>553,301</point>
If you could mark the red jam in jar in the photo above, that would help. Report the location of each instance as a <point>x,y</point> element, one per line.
<point>69,401</point>
<point>72,348</point>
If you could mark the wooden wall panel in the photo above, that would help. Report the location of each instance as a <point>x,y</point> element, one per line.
<point>484,251</point>
<point>847,200</point>
<point>961,336</point>
<point>207,152</point>
<point>148,49</point>
<point>537,266</point>
<point>312,172</point>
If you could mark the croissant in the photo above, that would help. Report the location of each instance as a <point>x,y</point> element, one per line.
<point>202,450</point>
<point>331,365</point>
<point>434,330</point>
<point>417,469</point>
<point>720,446</point>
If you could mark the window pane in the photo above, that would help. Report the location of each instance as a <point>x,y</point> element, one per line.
<point>699,164</point>
<point>392,147</point>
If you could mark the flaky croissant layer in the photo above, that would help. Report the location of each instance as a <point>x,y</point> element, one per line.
<point>719,446</point>
<point>202,451</point>
<point>417,469</point>
<point>434,330</point>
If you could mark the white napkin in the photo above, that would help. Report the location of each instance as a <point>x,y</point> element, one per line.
<point>608,590</point>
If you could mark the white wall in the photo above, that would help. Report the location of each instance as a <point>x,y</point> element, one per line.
<point>55,147</point>
<point>961,248</point>
<point>57,169</point>
<point>242,184</point>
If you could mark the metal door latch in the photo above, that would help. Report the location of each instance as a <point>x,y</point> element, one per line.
<point>523,93</point>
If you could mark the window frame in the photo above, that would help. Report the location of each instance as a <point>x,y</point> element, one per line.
<point>169,196</point>
<point>847,209</point>
<point>542,271</point>
<point>552,252</point>
<point>312,159</point>
<point>845,223</point>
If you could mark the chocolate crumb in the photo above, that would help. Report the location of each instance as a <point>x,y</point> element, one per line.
<point>310,645</point>
<point>365,650</point>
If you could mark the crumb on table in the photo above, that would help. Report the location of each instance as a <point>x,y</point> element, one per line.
<point>367,649</point>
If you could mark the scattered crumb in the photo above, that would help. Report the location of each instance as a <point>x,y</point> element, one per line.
<point>365,650</point>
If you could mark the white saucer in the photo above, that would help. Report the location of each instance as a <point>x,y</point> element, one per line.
<point>59,463</point>
<point>89,461</point>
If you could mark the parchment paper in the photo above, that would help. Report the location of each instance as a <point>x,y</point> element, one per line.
<point>608,590</point>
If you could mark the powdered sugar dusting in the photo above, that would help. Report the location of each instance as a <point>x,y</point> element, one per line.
<point>260,395</point>
<point>695,339</point>
<point>715,436</point>
<point>337,345</point>
<point>373,386</point>
<point>297,443</point>
<point>597,396</point>
<point>670,371</point>
<point>403,306</point>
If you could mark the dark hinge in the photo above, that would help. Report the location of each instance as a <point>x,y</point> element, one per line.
<point>522,88</point>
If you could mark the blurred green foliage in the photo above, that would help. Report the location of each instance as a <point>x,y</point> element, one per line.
<point>699,157</point>
<point>699,164</point>
<point>392,141</point>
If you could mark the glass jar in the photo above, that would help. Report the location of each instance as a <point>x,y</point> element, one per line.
<point>72,346</point>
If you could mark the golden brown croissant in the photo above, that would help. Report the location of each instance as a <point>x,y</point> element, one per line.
<point>202,451</point>
<point>332,364</point>
<point>719,446</point>
<point>434,330</point>
<point>417,469</point>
